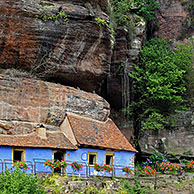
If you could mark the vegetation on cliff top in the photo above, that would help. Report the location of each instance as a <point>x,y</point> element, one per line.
<point>144,8</point>
<point>159,83</point>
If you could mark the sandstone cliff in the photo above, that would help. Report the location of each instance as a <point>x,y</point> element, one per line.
<point>35,37</point>
<point>25,103</point>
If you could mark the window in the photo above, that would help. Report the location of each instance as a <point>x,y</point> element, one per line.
<point>109,158</point>
<point>92,158</point>
<point>58,155</point>
<point>18,154</point>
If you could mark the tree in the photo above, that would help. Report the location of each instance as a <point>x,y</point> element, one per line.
<point>159,84</point>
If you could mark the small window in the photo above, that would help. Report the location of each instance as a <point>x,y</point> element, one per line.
<point>58,155</point>
<point>109,158</point>
<point>92,158</point>
<point>18,154</point>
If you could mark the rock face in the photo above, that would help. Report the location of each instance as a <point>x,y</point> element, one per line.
<point>171,19</point>
<point>35,37</point>
<point>24,103</point>
<point>128,42</point>
<point>179,140</point>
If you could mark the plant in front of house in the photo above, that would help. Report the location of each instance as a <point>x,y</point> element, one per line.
<point>167,166</point>
<point>21,164</point>
<point>127,170</point>
<point>149,171</point>
<point>108,168</point>
<point>154,160</point>
<point>76,166</point>
<point>63,164</point>
<point>52,164</point>
<point>17,181</point>
<point>189,165</point>
<point>98,167</point>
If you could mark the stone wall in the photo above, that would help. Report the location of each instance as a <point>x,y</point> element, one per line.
<point>179,139</point>
<point>164,184</point>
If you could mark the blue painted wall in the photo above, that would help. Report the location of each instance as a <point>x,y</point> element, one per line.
<point>31,153</point>
<point>39,153</point>
<point>122,158</point>
<point>5,153</point>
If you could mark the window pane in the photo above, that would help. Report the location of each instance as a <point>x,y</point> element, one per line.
<point>58,156</point>
<point>17,155</point>
<point>92,159</point>
<point>108,160</point>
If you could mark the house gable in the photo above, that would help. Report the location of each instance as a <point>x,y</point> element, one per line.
<point>68,132</point>
<point>92,133</point>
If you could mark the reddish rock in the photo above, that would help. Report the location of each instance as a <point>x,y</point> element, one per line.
<point>24,103</point>
<point>76,53</point>
<point>171,18</point>
<point>128,42</point>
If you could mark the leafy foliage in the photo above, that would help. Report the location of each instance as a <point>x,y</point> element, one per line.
<point>21,164</point>
<point>52,164</point>
<point>76,166</point>
<point>159,83</point>
<point>17,182</point>
<point>154,160</point>
<point>144,8</point>
<point>149,171</point>
<point>101,22</point>
<point>59,15</point>
<point>127,188</point>
<point>127,170</point>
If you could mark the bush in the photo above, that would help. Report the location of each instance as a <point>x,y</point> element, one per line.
<point>127,170</point>
<point>137,188</point>
<point>17,182</point>
<point>154,160</point>
<point>53,164</point>
<point>76,166</point>
<point>167,166</point>
<point>144,8</point>
<point>149,171</point>
<point>159,84</point>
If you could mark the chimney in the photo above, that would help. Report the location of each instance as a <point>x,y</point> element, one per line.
<point>41,132</point>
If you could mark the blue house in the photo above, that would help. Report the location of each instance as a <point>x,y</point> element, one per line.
<point>80,139</point>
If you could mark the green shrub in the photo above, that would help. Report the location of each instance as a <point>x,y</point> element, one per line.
<point>154,160</point>
<point>159,83</point>
<point>17,182</point>
<point>144,8</point>
<point>137,188</point>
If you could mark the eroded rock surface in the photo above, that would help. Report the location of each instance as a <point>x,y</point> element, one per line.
<point>179,140</point>
<point>171,18</point>
<point>24,103</point>
<point>33,38</point>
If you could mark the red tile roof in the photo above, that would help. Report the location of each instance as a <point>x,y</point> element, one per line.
<point>53,140</point>
<point>91,132</point>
